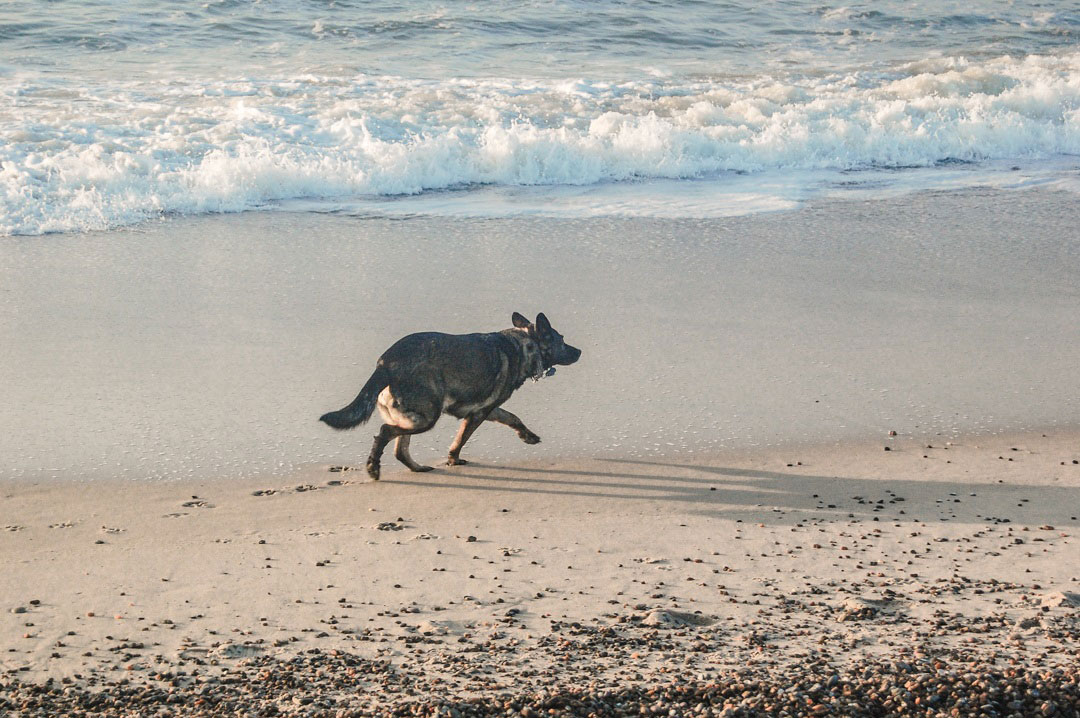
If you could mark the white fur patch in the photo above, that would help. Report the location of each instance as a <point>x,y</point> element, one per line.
<point>391,412</point>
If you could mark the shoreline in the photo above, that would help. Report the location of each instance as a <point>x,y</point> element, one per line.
<point>772,455</point>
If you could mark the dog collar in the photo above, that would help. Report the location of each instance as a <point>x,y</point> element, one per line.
<point>545,368</point>
<point>543,372</point>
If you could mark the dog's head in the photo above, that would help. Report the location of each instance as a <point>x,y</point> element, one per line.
<point>553,350</point>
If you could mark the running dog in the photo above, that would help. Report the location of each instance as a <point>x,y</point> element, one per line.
<point>466,375</point>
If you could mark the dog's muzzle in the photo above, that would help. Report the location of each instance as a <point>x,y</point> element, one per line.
<point>569,356</point>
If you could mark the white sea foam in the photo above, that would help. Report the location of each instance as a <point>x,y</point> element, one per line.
<point>80,158</point>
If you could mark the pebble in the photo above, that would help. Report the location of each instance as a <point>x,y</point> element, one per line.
<point>335,682</point>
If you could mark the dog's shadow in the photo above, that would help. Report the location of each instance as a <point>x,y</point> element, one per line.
<point>724,492</point>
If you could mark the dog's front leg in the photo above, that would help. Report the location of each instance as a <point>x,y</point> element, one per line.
<point>468,426</point>
<point>503,416</point>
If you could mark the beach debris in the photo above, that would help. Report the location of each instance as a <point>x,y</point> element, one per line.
<point>432,628</point>
<point>675,619</point>
<point>857,608</point>
<point>267,685</point>
<point>1026,622</point>
<point>1065,599</point>
<point>229,649</point>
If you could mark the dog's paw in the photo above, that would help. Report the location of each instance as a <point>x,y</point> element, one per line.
<point>529,438</point>
<point>453,461</point>
<point>373,470</point>
<point>424,468</point>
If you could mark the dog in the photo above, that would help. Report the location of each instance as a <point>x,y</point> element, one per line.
<point>465,375</point>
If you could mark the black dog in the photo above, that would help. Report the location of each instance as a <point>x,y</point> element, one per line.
<point>465,375</point>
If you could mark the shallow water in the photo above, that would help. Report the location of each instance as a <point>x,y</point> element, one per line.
<point>113,114</point>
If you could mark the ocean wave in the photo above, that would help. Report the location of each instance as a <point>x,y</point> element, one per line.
<point>78,157</point>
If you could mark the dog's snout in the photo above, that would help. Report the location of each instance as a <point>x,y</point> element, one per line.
<point>572,354</point>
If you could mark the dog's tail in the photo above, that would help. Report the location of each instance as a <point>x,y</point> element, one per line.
<point>361,407</point>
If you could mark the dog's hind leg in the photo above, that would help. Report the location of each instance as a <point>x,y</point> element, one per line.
<point>468,426</point>
<point>407,412</point>
<point>386,433</point>
<point>503,416</point>
<point>401,453</point>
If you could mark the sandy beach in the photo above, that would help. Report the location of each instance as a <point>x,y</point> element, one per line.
<point>816,451</point>
<point>593,587</point>
<point>781,481</point>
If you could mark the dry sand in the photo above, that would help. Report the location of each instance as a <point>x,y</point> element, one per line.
<point>564,582</point>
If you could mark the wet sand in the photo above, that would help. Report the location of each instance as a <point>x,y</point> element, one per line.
<point>207,348</point>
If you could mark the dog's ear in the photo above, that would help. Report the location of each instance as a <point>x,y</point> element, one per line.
<point>520,321</point>
<point>542,324</point>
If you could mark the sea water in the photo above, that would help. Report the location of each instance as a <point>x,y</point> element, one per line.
<point>115,113</point>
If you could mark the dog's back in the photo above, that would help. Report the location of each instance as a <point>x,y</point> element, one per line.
<point>460,370</point>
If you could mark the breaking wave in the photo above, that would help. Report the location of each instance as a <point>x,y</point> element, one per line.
<point>119,152</point>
